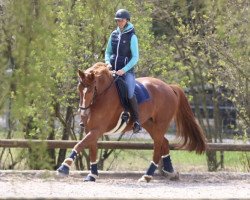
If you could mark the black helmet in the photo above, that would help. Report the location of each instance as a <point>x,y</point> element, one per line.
<point>122,14</point>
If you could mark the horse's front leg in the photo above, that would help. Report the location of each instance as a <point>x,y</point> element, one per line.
<point>93,175</point>
<point>89,141</point>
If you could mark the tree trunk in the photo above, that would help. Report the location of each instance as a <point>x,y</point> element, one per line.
<point>51,136</point>
<point>65,136</point>
<point>211,161</point>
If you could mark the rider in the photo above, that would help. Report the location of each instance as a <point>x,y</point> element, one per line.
<point>121,55</point>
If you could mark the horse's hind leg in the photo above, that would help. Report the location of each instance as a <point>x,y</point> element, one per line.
<point>157,132</point>
<point>167,167</point>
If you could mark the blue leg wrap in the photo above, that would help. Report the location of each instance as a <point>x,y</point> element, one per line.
<point>73,154</point>
<point>151,169</point>
<point>93,169</point>
<point>167,164</point>
<point>149,173</point>
<point>89,178</point>
<point>93,173</point>
<point>63,169</point>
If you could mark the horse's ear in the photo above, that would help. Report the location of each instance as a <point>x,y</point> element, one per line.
<point>91,76</point>
<point>81,74</point>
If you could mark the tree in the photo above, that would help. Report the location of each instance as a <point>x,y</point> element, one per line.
<point>26,34</point>
<point>200,43</point>
<point>50,40</point>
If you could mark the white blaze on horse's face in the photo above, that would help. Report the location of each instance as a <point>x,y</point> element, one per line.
<point>83,98</point>
<point>84,104</point>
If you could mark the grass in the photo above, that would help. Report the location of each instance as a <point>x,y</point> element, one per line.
<point>183,161</point>
<point>132,160</point>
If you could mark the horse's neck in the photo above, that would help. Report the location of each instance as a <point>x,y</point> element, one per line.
<point>104,83</point>
<point>105,111</point>
<point>108,90</point>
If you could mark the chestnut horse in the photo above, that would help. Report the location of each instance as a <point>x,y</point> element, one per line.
<point>102,109</point>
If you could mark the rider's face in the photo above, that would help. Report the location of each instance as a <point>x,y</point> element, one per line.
<point>121,23</point>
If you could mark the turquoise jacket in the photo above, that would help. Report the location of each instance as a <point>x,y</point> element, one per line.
<point>133,47</point>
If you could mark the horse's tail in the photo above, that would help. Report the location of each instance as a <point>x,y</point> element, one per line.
<point>188,128</point>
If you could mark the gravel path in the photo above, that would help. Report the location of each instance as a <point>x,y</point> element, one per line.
<point>122,185</point>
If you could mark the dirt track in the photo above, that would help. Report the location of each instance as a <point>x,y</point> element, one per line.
<point>114,185</point>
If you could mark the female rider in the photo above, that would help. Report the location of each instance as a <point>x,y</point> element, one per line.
<point>121,55</point>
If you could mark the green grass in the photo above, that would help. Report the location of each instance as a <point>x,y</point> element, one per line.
<point>183,161</point>
<point>131,160</point>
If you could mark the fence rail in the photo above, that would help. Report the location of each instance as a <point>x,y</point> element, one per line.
<point>65,144</point>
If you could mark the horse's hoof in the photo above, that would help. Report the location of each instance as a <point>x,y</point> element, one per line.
<point>173,176</point>
<point>145,179</point>
<point>90,178</point>
<point>63,170</point>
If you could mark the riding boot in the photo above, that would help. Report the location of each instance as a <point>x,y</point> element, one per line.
<point>135,114</point>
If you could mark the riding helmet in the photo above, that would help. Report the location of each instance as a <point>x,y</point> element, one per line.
<point>122,14</point>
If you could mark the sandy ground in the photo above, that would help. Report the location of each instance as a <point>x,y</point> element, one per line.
<point>123,185</point>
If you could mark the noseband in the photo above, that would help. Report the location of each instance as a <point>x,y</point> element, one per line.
<point>95,92</point>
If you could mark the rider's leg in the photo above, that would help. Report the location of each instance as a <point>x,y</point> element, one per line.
<point>135,114</point>
<point>130,81</point>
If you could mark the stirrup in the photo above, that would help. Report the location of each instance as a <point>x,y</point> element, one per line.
<point>81,124</point>
<point>136,127</point>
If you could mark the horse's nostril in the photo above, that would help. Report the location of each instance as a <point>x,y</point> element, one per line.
<point>81,124</point>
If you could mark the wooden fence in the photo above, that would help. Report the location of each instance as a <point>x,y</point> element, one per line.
<point>65,144</point>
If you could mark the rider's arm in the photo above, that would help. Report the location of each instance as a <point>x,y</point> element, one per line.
<point>108,51</point>
<point>135,54</point>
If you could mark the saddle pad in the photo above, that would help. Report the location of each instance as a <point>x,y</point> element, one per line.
<point>141,93</point>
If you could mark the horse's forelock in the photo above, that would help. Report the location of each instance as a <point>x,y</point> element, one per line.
<point>100,69</point>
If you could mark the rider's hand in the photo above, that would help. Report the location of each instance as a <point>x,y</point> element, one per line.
<point>109,66</point>
<point>120,72</point>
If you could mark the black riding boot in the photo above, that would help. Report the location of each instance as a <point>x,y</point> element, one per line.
<point>135,114</point>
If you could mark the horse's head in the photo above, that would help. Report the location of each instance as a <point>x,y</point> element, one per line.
<point>92,83</point>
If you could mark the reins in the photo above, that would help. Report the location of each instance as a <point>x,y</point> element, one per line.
<point>115,77</point>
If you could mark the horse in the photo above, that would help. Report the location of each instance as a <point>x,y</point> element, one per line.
<point>101,111</point>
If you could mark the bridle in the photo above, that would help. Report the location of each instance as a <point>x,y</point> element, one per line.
<point>115,77</point>
<point>92,100</point>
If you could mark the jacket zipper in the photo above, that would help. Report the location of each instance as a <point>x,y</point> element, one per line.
<point>117,50</point>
